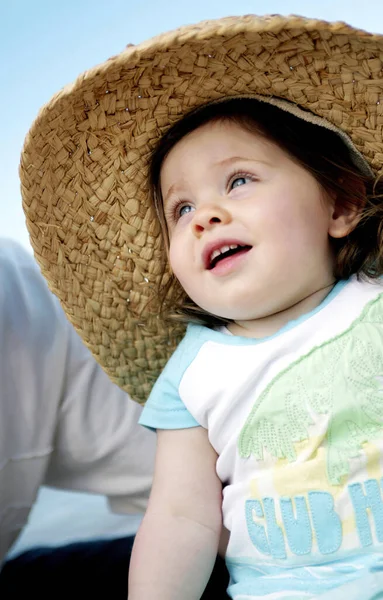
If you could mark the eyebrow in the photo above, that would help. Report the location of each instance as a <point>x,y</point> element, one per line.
<point>232,159</point>
<point>173,188</point>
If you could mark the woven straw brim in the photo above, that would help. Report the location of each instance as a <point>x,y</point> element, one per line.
<point>85,161</point>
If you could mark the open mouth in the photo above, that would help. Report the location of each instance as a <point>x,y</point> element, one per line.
<point>224,252</point>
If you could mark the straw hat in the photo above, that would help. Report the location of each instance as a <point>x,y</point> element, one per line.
<point>84,163</point>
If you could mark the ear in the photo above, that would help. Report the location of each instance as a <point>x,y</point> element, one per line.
<point>344,215</point>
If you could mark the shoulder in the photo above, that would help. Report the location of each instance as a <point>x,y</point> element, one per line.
<point>355,293</point>
<point>28,310</point>
<point>195,338</point>
<point>14,257</point>
<point>18,268</point>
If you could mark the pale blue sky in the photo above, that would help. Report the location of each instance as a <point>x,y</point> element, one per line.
<point>45,44</point>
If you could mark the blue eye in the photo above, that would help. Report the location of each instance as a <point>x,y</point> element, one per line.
<point>183,210</point>
<point>238,181</point>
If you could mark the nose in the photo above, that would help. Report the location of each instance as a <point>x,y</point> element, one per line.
<point>207,217</point>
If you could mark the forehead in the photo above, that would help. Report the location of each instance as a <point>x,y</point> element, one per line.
<point>217,135</point>
<point>213,143</point>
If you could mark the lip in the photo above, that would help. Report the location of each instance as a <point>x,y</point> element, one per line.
<point>209,248</point>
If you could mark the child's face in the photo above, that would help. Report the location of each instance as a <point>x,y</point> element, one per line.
<point>224,186</point>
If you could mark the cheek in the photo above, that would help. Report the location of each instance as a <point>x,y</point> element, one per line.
<point>178,258</point>
<point>305,221</point>
<point>181,262</point>
<point>173,257</point>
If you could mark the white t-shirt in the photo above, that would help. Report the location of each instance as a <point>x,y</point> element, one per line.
<point>297,422</point>
<point>62,422</point>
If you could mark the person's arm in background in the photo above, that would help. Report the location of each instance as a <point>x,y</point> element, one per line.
<point>99,446</point>
<point>62,418</point>
<point>177,542</point>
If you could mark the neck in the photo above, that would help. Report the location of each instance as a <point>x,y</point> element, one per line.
<point>270,324</point>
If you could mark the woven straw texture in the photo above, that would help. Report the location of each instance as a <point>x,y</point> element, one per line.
<point>84,163</point>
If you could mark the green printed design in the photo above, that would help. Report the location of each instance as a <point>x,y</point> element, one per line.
<point>341,378</point>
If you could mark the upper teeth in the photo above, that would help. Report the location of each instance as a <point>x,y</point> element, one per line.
<point>222,250</point>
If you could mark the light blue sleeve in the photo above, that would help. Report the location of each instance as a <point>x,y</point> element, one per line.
<point>164,408</point>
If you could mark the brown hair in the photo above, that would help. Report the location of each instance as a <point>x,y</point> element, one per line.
<point>321,152</point>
